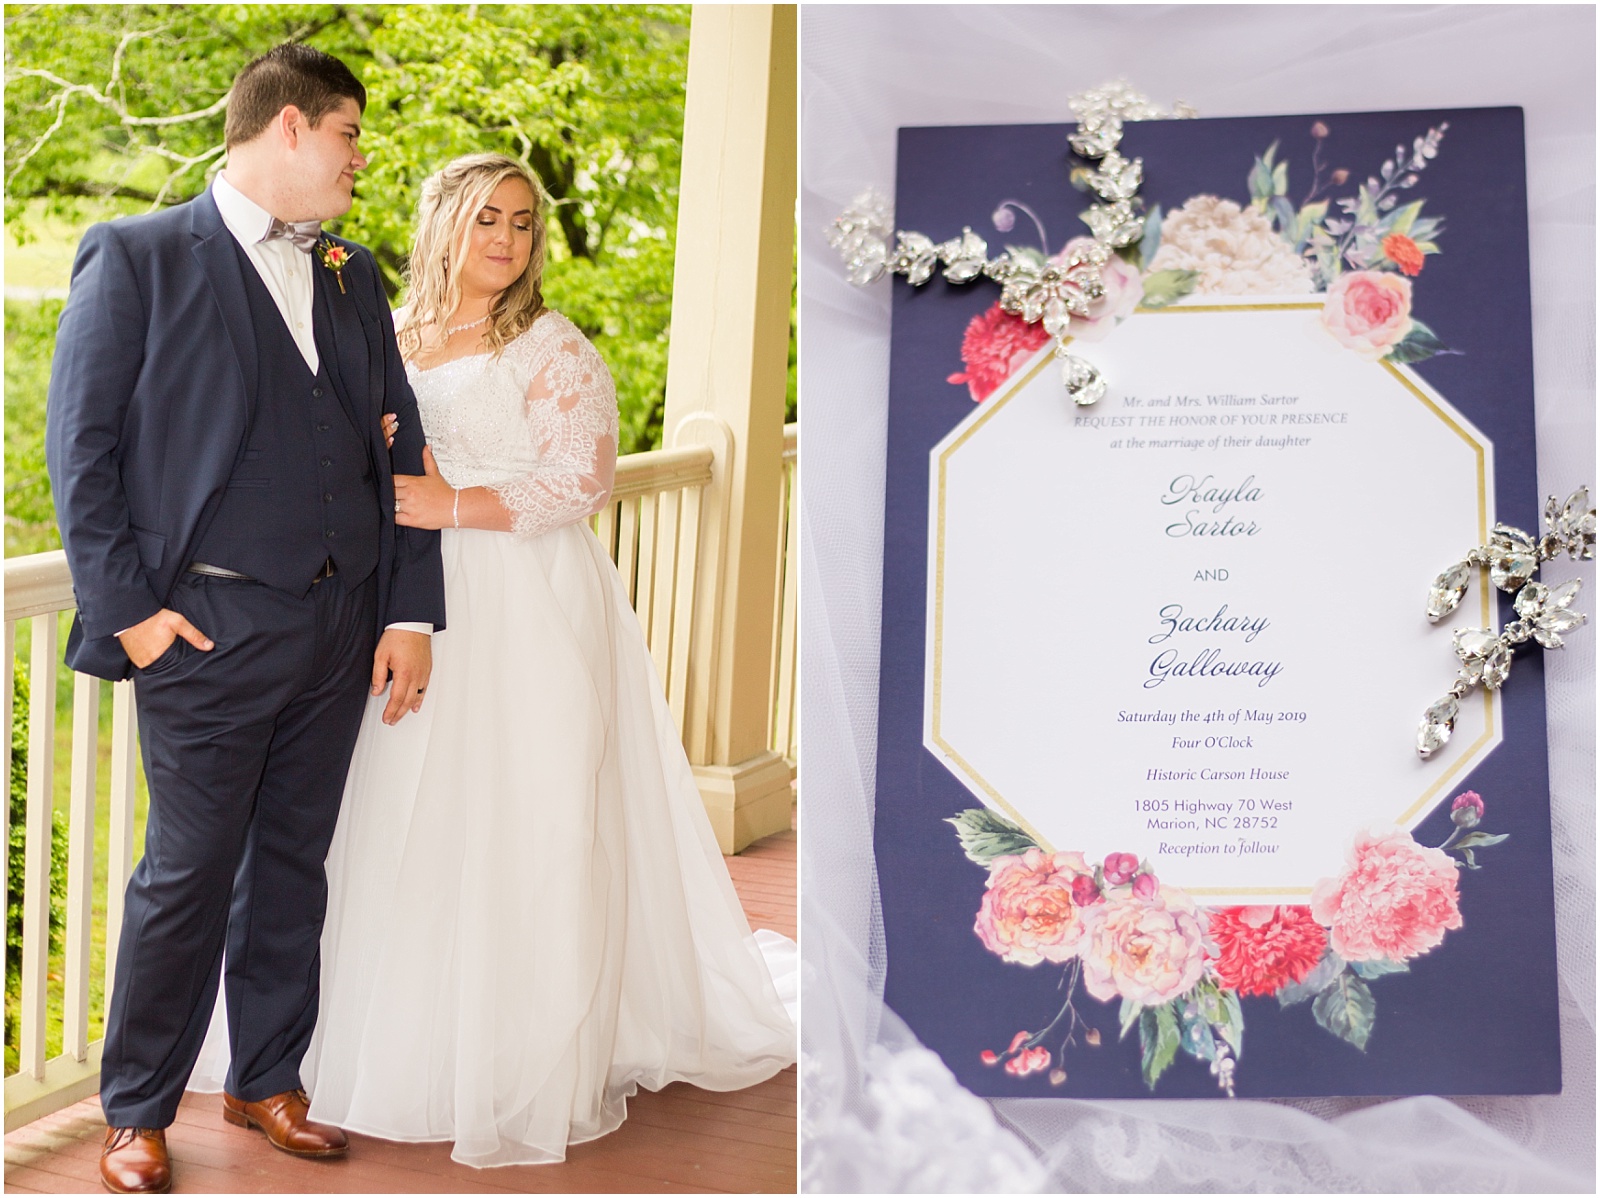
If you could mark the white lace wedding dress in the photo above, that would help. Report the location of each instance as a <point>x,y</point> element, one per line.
<point>528,914</point>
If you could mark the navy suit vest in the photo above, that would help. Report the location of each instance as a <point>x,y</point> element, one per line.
<point>303,491</point>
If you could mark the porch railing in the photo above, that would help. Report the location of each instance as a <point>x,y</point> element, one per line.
<point>652,530</point>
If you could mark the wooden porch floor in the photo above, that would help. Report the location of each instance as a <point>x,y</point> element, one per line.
<point>679,1140</point>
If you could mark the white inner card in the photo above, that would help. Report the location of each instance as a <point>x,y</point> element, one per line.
<point>1188,622</point>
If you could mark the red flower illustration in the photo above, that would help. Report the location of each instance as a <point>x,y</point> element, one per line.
<point>996,343</point>
<point>1263,949</point>
<point>1403,252</point>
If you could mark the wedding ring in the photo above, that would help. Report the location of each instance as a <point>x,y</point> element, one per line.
<point>397,507</point>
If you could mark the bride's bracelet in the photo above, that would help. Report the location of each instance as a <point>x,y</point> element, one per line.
<point>456,511</point>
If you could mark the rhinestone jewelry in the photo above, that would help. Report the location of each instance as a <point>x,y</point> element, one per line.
<point>462,328</point>
<point>1544,612</point>
<point>1030,287</point>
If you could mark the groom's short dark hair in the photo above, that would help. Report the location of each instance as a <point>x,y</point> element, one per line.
<point>292,73</point>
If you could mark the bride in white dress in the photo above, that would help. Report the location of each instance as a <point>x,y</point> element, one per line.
<point>528,914</point>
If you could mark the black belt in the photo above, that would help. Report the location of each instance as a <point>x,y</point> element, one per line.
<point>328,571</point>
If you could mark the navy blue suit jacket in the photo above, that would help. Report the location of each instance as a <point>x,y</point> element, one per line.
<point>150,408</point>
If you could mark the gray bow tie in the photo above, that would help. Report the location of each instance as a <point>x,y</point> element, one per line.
<point>302,234</point>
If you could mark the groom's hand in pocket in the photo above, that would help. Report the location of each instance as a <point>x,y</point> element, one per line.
<point>149,639</point>
<point>407,658</point>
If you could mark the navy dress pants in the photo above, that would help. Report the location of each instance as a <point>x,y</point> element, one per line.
<point>245,751</point>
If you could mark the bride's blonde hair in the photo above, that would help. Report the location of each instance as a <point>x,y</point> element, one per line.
<point>451,201</point>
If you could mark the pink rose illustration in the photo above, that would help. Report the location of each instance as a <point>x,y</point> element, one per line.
<point>1395,900</point>
<point>1124,291</point>
<point>995,345</point>
<point>1368,311</point>
<point>1147,950</point>
<point>1119,868</point>
<point>1028,914</point>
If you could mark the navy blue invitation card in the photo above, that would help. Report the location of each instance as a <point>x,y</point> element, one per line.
<point>1151,814</point>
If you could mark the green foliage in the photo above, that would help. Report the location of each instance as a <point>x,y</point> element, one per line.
<point>1163,287</point>
<point>30,341</point>
<point>1345,1007</point>
<point>16,857</point>
<point>1419,344</point>
<point>1323,973</point>
<point>1159,1040</point>
<point>590,96</point>
<point>985,835</point>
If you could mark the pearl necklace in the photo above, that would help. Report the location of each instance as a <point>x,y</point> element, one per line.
<point>462,328</point>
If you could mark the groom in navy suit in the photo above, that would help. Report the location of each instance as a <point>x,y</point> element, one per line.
<point>225,498</point>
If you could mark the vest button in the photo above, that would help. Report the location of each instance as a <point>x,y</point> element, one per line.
<point>327,532</point>
<point>327,497</point>
<point>322,426</point>
<point>316,392</point>
<point>327,461</point>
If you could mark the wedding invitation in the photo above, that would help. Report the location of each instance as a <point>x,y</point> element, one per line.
<point>1151,815</point>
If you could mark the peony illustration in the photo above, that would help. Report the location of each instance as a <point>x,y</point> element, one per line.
<point>1395,900</point>
<point>1368,311</point>
<point>1028,914</point>
<point>1235,249</point>
<point>995,345</point>
<point>1147,950</point>
<point>1260,950</point>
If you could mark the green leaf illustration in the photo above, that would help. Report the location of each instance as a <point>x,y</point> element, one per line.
<point>1419,344</point>
<point>1151,241</point>
<point>1478,840</point>
<point>1283,216</point>
<point>1225,1013</point>
<point>1196,1037</point>
<point>1129,1016</point>
<point>1307,221</point>
<point>1402,219</point>
<point>1325,971</point>
<point>985,835</point>
<point>1263,180</point>
<point>1165,287</point>
<point>1027,253</point>
<point>1346,1009</point>
<point>1158,1041</point>
<point>1366,206</point>
<point>1376,969</point>
<point>1426,229</point>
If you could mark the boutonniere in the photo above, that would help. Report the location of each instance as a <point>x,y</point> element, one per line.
<point>335,258</point>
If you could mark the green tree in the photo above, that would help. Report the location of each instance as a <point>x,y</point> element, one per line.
<point>128,102</point>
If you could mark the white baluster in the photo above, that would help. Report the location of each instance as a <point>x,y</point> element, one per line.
<point>36,878</point>
<point>124,793</point>
<point>80,866</point>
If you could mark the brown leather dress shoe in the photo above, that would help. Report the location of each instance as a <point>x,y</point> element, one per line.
<point>134,1161</point>
<point>283,1118</point>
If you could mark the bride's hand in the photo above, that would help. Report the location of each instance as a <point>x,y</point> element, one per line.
<point>424,500</point>
<point>391,425</point>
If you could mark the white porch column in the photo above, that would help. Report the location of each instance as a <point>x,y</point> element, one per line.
<point>725,388</point>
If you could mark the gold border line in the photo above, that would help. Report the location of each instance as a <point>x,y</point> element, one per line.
<point>1297,307</point>
<point>993,406</point>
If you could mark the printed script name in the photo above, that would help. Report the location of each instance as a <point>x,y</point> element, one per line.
<point>1209,661</point>
<point>1205,492</point>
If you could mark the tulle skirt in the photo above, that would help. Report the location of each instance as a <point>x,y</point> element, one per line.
<point>529,916</point>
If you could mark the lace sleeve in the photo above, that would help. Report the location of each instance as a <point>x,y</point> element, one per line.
<point>571,428</point>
